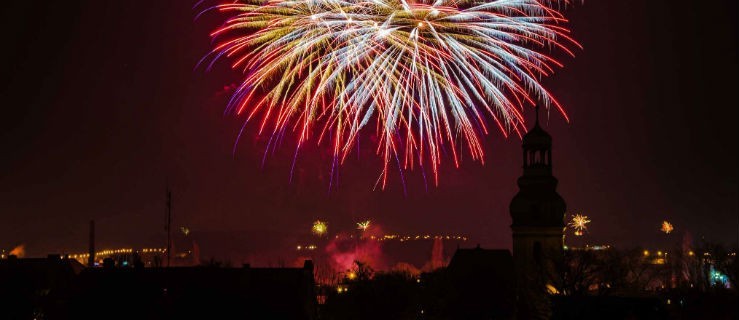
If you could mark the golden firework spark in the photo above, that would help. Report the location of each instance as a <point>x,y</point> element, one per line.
<point>579,223</point>
<point>364,225</point>
<point>319,228</point>
<point>666,227</point>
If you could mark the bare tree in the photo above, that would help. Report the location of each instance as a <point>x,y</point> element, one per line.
<point>579,271</point>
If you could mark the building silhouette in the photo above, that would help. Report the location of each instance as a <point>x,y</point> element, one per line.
<point>537,211</point>
<point>195,293</point>
<point>34,288</point>
<point>58,287</point>
<point>481,283</point>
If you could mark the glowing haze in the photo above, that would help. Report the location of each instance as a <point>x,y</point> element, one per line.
<point>435,75</point>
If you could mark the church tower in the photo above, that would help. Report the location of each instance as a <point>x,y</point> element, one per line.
<point>538,213</point>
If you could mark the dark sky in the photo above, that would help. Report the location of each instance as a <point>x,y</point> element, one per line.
<point>102,108</point>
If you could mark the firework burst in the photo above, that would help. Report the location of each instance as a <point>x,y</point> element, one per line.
<point>319,228</point>
<point>579,224</point>
<point>364,225</point>
<point>434,76</point>
<point>666,227</point>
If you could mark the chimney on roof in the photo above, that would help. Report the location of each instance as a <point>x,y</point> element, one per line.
<point>308,265</point>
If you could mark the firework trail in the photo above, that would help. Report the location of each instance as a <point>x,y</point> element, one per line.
<point>433,76</point>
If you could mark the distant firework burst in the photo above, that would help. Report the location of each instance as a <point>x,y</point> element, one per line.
<point>364,225</point>
<point>666,227</point>
<point>319,228</point>
<point>579,223</point>
<point>433,76</point>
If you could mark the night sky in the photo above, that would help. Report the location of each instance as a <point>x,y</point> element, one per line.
<point>102,108</point>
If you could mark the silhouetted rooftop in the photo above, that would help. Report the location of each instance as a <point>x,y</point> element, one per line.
<point>180,292</point>
<point>481,284</point>
<point>493,260</point>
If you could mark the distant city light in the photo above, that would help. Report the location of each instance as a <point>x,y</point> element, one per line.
<point>309,247</point>
<point>82,257</point>
<point>551,289</point>
<point>402,238</point>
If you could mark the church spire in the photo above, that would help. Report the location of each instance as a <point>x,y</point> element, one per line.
<point>537,212</point>
<point>537,150</point>
<point>537,184</point>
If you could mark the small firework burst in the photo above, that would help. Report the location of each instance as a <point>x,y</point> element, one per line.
<point>319,228</point>
<point>579,223</point>
<point>666,227</point>
<point>364,225</point>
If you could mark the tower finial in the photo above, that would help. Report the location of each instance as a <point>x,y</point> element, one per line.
<point>537,114</point>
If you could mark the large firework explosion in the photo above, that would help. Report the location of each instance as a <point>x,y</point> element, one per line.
<point>433,76</point>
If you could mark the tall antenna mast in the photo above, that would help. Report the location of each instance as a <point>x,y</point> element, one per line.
<point>91,248</point>
<point>168,226</point>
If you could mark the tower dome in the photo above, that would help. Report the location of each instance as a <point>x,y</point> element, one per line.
<point>537,202</point>
<point>537,138</point>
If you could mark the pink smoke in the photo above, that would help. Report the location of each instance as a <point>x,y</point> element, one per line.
<point>344,250</point>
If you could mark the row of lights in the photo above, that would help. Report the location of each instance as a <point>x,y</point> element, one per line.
<point>310,247</point>
<point>690,253</point>
<point>418,237</point>
<point>117,251</point>
<point>111,252</point>
<point>589,247</point>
